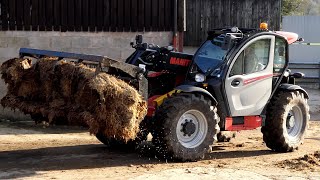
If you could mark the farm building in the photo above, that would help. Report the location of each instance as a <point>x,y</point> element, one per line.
<point>204,15</point>
<point>106,27</point>
<point>91,26</point>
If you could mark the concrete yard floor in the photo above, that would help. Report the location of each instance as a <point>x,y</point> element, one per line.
<point>29,151</point>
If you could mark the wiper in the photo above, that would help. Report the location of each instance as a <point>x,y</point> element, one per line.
<point>210,70</point>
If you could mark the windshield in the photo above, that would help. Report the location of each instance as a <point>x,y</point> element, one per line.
<point>210,54</point>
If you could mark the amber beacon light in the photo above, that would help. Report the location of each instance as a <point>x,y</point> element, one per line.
<point>263,26</point>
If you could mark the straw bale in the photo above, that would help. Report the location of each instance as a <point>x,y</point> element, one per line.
<point>67,93</point>
<point>45,68</point>
<point>27,89</point>
<point>12,70</point>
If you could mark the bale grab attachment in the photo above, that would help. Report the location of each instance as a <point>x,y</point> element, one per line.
<point>104,64</point>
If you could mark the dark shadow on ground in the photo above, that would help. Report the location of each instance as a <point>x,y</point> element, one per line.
<point>26,163</point>
<point>318,139</point>
<point>42,129</point>
<point>238,154</point>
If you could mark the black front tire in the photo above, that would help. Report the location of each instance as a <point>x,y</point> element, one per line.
<point>287,121</point>
<point>172,138</point>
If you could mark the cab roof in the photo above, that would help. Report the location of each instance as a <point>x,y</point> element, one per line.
<point>289,36</point>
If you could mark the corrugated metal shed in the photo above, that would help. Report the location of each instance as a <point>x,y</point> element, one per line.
<point>305,57</point>
<point>306,26</point>
<point>301,53</point>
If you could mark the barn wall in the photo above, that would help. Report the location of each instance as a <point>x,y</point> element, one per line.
<point>204,15</point>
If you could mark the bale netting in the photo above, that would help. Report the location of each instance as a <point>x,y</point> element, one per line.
<point>61,92</point>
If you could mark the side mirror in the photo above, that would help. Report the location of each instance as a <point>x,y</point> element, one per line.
<point>228,42</point>
<point>300,40</point>
<point>298,75</point>
<point>139,39</point>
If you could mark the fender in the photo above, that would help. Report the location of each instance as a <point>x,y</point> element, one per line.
<point>292,87</point>
<point>190,89</point>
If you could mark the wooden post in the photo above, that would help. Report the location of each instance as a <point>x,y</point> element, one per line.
<point>180,24</point>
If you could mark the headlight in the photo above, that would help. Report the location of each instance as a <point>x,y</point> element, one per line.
<point>200,78</point>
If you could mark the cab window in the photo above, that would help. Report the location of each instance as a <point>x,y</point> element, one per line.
<point>253,58</point>
<point>279,55</point>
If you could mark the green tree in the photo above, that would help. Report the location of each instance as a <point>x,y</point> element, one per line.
<point>295,7</point>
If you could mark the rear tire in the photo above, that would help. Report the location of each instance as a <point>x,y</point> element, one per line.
<point>287,121</point>
<point>186,126</point>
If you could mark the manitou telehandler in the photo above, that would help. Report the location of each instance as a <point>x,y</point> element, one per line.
<point>237,80</point>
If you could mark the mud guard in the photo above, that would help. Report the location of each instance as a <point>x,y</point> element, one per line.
<point>293,87</point>
<point>191,89</point>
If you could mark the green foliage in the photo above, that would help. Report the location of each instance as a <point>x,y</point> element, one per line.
<point>300,7</point>
<point>292,7</point>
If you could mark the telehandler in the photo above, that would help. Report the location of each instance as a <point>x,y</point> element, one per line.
<point>237,80</point>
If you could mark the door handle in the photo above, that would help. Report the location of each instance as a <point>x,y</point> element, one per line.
<point>235,82</point>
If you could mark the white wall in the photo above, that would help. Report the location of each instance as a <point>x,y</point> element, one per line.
<point>112,44</point>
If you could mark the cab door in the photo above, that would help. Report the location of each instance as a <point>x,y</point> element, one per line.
<point>248,83</point>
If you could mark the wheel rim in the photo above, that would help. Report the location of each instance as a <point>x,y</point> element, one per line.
<point>294,122</point>
<point>192,129</point>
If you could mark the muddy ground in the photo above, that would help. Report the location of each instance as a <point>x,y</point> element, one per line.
<point>28,151</point>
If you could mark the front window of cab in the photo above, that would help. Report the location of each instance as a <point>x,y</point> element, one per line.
<point>210,55</point>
